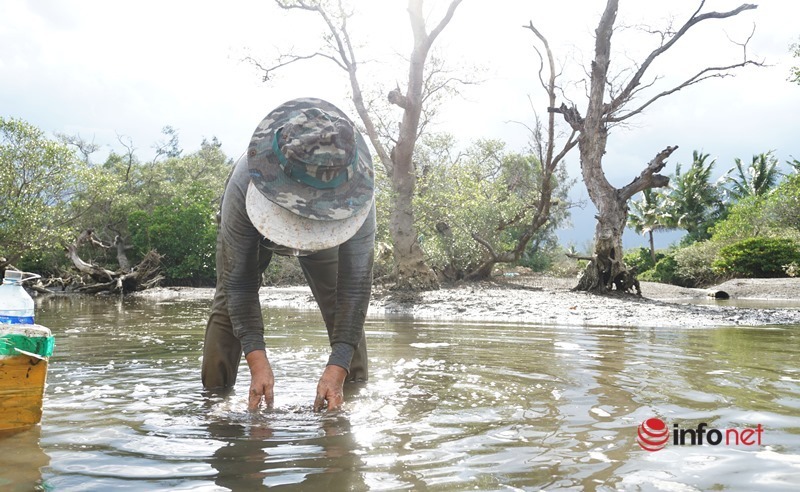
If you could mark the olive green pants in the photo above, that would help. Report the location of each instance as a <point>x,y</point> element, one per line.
<point>222,350</point>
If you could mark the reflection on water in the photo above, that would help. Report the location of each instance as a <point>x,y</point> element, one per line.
<point>449,407</point>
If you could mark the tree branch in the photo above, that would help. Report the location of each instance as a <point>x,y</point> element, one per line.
<point>571,115</point>
<point>579,257</point>
<point>398,99</point>
<point>705,74</point>
<point>648,178</point>
<point>485,244</point>
<point>443,23</point>
<point>624,96</point>
<point>291,59</point>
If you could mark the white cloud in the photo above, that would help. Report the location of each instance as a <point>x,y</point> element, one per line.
<point>102,68</point>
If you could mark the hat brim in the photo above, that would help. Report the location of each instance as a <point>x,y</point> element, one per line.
<point>288,229</point>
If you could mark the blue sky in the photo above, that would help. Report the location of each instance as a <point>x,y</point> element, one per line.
<point>106,70</point>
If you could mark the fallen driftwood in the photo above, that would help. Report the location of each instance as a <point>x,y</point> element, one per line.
<point>95,279</point>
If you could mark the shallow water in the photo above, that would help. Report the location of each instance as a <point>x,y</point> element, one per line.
<point>744,303</point>
<point>467,406</point>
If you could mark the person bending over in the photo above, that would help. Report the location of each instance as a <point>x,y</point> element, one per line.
<point>304,188</point>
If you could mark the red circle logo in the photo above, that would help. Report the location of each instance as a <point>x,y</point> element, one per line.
<point>653,435</point>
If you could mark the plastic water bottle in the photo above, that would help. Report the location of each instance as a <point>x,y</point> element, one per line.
<point>24,352</point>
<point>16,305</point>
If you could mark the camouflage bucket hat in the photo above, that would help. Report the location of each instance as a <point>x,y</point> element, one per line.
<point>310,174</point>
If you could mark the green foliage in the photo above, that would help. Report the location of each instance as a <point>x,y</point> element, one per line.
<point>781,209</point>
<point>45,262</point>
<point>180,188</point>
<point>453,199</point>
<point>694,201</point>
<point>183,231</point>
<point>650,213</point>
<point>776,214</point>
<point>758,179</point>
<point>206,169</point>
<point>543,254</point>
<point>757,257</point>
<point>384,259</point>
<point>772,215</point>
<point>38,179</point>
<point>486,195</point>
<point>744,219</point>
<point>795,71</point>
<point>794,164</point>
<point>383,203</point>
<point>48,195</point>
<point>641,259</point>
<point>170,148</point>
<point>283,270</point>
<point>559,264</point>
<point>665,271</point>
<point>694,263</point>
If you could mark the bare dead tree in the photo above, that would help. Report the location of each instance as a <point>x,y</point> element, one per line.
<point>130,155</point>
<point>592,127</point>
<point>411,270</point>
<point>544,141</point>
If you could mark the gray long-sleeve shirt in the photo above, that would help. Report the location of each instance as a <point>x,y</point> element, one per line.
<point>242,278</point>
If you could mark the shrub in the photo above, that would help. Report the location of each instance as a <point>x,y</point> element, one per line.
<point>562,266</point>
<point>665,271</point>
<point>776,214</point>
<point>641,259</point>
<point>694,263</point>
<point>757,257</point>
<point>782,209</point>
<point>184,232</point>
<point>745,219</point>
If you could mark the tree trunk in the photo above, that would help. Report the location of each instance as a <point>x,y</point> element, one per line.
<point>607,264</point>
<point>411,270</point>
<point>122,257</point>
<point>484,271</point>
<point>612,203</point>
<point>652,246</point>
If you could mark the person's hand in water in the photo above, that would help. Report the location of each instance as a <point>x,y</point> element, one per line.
<point>261,381</point>
<point>330,389</point>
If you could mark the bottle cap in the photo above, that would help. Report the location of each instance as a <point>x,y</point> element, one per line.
<point>14,275</point>
<point>19,277</point>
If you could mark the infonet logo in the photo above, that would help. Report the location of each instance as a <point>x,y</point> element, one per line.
<point>653,435</point>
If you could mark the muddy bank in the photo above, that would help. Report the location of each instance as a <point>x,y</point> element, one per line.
<point>536,299</point>
<point>551,301</point>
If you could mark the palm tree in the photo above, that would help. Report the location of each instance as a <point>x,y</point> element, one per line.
<point>650,214</point>
<point>694,200</point>
<point>795,163</point>
<point>756,180</point>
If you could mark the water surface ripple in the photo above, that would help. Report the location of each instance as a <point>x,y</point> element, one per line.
<point>450,406</point>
